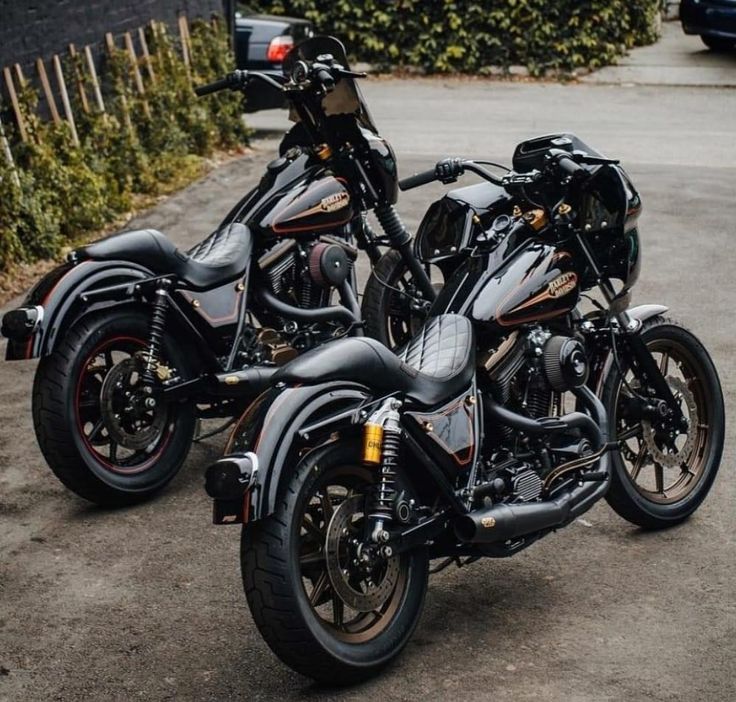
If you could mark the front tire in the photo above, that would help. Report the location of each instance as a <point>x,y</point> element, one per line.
<point>658,481</point>
<point>393,309</point>
<point>73,429</point>
<point>290,589</point>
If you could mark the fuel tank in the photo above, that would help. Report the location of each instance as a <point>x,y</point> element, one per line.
<point>312,205</point>
<point>296,195</point>
<point>512,285</point>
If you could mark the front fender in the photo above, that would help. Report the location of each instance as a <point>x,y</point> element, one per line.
<point>270,428</point>
<point>59,294</point>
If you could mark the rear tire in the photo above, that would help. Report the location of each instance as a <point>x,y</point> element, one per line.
<point>273,555</point>
<point>78,456</point>
<point>637,476</point>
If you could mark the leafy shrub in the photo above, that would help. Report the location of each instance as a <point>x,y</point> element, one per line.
<point>447,36</point>
<point>143,144</point>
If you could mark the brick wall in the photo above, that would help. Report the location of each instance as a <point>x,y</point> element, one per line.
<point>32,28</point>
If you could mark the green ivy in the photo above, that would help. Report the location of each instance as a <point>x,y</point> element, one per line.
<point>142,145</point>
<point>446,36</point>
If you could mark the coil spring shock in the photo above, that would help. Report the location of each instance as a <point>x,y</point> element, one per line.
<point>382,441</point>
<point>385,491</point>
<point>156,337</point>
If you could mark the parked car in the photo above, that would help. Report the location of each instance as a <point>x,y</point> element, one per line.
<point>713,20</point>
<point>261,42</point>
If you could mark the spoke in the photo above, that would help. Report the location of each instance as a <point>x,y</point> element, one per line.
<point>311,558</point>
<point>113,450</point>
<point>108,359</point>
<point>311,527</point>
<point>96,429</point>
<point>326,506</point>
<point>664,363</point>
<point>659,479</point>
<point>319,588</point>
<point>338,610</point>
<point>639,463</point>
<point>630,433</point>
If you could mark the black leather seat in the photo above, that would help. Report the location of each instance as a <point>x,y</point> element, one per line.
<point>437,364</point>
<point>221,257</point>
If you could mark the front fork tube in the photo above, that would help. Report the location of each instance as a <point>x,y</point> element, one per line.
<point>648,374</point>
<point>418,272</point>
<point>400,240</point>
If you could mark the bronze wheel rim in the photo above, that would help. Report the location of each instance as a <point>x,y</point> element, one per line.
<point>334,487</point>
<point>669,470</point>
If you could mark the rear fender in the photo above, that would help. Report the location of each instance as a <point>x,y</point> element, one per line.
<point>59,293</point>
<point>272,428</point>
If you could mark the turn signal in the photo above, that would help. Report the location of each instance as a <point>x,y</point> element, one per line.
<point>372,442</point>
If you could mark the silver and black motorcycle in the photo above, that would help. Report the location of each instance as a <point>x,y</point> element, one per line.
<point>510,413</point>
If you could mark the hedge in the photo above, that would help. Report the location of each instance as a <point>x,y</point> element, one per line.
<point>141,146</point>
<point>446,36</point>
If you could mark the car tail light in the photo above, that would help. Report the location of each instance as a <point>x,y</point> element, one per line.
<point>278,48</point>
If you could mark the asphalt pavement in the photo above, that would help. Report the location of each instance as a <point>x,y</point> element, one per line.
<point>146,603</point>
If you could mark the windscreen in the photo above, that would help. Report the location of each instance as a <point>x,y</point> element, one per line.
<point>346,98</point>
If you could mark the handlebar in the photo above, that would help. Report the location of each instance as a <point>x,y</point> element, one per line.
<point>447,171</point>
<point>564,163</point>
<point>236,80</point>
<point>414,181</point>
<point>214,87</point>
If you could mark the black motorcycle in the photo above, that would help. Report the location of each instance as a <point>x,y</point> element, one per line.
<point>506,417</point>
<point>139,340</point>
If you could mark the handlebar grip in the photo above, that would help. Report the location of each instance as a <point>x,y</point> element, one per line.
<point>414,181</point>
<point>325,78</point>
<point>567,165</point>
<point>210,88</point>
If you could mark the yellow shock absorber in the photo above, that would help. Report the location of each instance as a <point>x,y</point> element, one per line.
<point>372,443</point>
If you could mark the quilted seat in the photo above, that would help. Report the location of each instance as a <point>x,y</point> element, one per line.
<point>221,257</point>
<point>436,365</point>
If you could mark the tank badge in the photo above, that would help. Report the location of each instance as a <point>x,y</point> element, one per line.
<point>488,522</point>
<point>334,202</point>
<point>562,284</point>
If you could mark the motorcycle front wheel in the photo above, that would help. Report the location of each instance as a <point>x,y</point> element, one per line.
<point>661,475</point>
<point>99,431</point>
<point>393,309</point>
<point>324,611</point>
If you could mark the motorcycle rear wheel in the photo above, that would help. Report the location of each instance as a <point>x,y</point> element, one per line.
<point>290,588</point>
<point>74,431</point>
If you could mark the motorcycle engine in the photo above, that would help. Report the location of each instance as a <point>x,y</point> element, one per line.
<point>529,366</point>
<point>305,273</point>
<point>528,373</point>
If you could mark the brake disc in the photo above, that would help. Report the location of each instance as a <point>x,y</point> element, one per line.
<point>127,422</point>
<point>359,591</point>
<point>671,456</point>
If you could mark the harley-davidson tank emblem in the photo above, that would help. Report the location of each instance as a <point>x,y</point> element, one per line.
<point>562,284</point>
<point>334,202</point>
